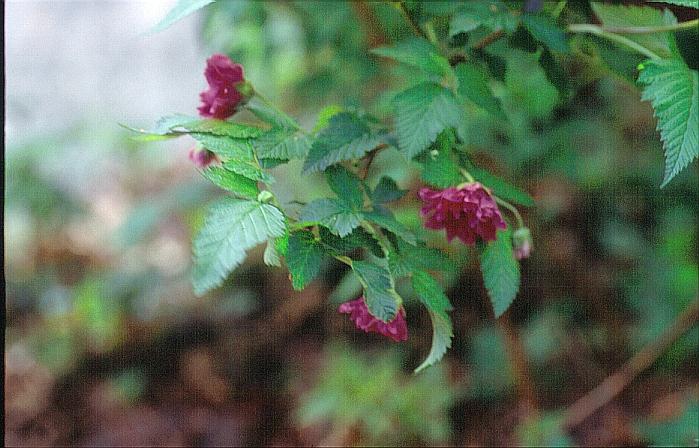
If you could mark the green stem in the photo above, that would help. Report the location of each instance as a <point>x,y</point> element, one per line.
<point>467,175</point>
<point>512,209</point>
<point>431,34</point>
<point>599,31</point>
<point>647,29</point>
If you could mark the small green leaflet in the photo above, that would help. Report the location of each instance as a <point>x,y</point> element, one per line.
<point>346,137</point>
<point>325,115</point>
<point>492,14</point>
<point>673,90</point>
<point>473,85</point>
<point>359,238</point>
<point>285,144</point>
<point>441,170</point>
<point>500,272</point>
<point>499,186</point>
<point>386,221</point>
<point>182,9</point>
<point>232,226</point>
<point>346,186</point>
<point>379,293</point>
<point>249,169</point>
<point>662,44</point>
<point>419,53</point>
<point>688,3</point>
<point>304,258</point>
<point>220,127</point>
<point>225,147</point>
<point>230,181</point>
<point>422,112</point>
<point>437,303</point>
<point>545,30</point>
<point>386,191</point>
<point>270,115</point>
<point>331,213</point>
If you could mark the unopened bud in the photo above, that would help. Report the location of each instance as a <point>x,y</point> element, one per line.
<point>522,243</point>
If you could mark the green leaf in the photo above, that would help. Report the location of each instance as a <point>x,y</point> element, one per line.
<point>346,186</point>
<point>500,187</point>
<point>220,127</point>
<point>249,169</point>
<point>168,123</point>
<point>386,191</point>
<point>473,85</point>
<point>358,238</point>
<point>387,221</point>
<point>346,137</point>
<point>492,14</point>
<point>270,115</point>
<point>500,272</point>
<point>419,53</point>
<point>231,227</point>
<point>409,258</point>
<point>545,30</point>
<point>282,144</point>
<point>331,213</point>
<point>182,9</point>
<point>437,303</point>
<point>271,256</point>
<point>225,147</point>
<point>688,3</point>
<point>230,181</point>
<point>325,115</point>
<point>379,292</point>
<point>673,90</point>
<point>304,258</point>
<point>662,44</point>
<point>441,170</point>
<point>534,92</point>
<point>422,112</point>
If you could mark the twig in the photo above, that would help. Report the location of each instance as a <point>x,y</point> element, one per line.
<point>370,159</point>
<point>518,360</point>
<point>489,39</point>
<point>614,384</point>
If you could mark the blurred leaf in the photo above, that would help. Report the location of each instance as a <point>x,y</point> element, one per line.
<point>473,85</point>
<point>270,115</point>
<point>492,14</point>
<point>491,374</point>
<point>271,256</point>
<point>679,430</point>
<point>325,115</point>
<point>304,257</point>
<point>386,191</point>
<point>230,181</point>
<point>528,85</point>
<point>379,293</point>
<point>231,227</point>
<point>422,112</point>
<point>225,147</point>
<point>222,128</point>
<point>688,3</point>
<point>182,9</point>
<point>419,53</point>
<point>545,30</point>
<point>358,239</point>
<point>437,303</point>
<point>673,90</point>
<point>500,272</point>
<point>409,258</point>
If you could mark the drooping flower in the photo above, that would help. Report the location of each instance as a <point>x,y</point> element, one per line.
<point>202,157</point>
<point>522,243</point>
<point>223,96</point>
<point>397,329</point>
<point>466,213</point>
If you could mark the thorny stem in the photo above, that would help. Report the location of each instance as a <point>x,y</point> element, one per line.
<point>602,32</point>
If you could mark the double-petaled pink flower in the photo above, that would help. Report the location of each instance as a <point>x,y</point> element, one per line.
<point>223,96</point>
<point>397,329</point>
<point>466,213</point>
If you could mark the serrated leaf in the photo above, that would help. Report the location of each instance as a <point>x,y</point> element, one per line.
<point>379,294</point>
<point>416,52</point>
<point>304,257</point>
<point>688,3</point>
<point>492,14</point>
<point>225,147</point>
<point>271,256</point>
<point>346,186</point>
<point>441,170</point>
<point>346,137</point>
<point>220,127</point>
<point>358,238</point>
<point>422,112</point>
<point>325,115</point>
<point>388,221</point>
<point>545,30</point>
<point>230,181</point>
<point>182,9</point>
<point>232,226</point>
<point>662,44</point>
<point>282,144</point>
<point>331,213</point>
<point>386,191</point>
<point>500,272</point>
<point>473,85</point>
<point>500,187</point>
<point>166,124</point>
<point>437,303</point>
<point>270,115</point>
<point>409,258</point>
<point>673,90</point>
<point>249,169</point>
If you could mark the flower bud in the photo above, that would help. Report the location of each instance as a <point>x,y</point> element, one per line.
<point>522,243</point>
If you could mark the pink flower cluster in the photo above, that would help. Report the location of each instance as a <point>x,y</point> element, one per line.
<point>222,98</point>
<point>466,213</point>
<point>397,329</point>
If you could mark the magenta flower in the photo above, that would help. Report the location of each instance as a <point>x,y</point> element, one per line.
<point>397,329</point>
<point>202,157</point>
<point>466,213</point>
<point>223,96</point>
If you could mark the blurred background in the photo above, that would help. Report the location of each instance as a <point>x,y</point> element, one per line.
<point>107,345</point>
